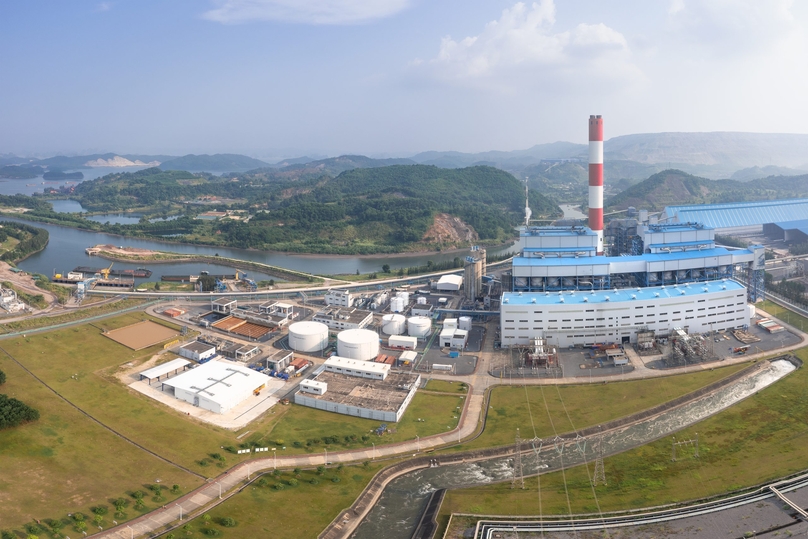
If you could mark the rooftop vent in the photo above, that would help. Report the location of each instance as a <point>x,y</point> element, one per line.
<point>561,300</point>
<point>586,299</point>
<point>607,298</point>
<point>656,294</point>
<point>633,296</point>
<point>533,300</point>
<point>682,292</point>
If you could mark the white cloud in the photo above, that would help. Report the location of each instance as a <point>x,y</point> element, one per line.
<point>304,11</point>
<point>523,47</point>
<point>103,6</point>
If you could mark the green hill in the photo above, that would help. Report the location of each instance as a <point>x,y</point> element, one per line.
<point>674,187</point>
<point>217,162</point>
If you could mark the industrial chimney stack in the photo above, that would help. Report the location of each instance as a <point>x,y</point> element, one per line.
<point>596,178</point>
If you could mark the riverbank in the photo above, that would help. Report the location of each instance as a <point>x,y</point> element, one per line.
<point>134,254</point>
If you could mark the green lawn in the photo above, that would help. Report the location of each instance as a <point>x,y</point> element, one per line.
<point>761,438</point>
<point>70,316</point>
<point>544,410</point>
<point>295,512</point>
<point>785,315</point>
<point>446,386</point>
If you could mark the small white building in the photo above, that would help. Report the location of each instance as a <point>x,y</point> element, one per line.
<point>197,350</point>
<point>357,367</point>
<point>315,387</point>
<point>450,323</point>
<point>446,336</point>
<point>339,298</point>
<point>449,283</point>
<point>422,309</point>
<point>339,319</point>
<point>460,338</point>
<point>217,386</point>
<point>223,305</point>
<point>277,308</point>
<point>402,341</point>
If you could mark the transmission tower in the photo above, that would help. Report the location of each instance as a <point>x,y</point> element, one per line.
<point>600,471</point>
<point>518,474</point>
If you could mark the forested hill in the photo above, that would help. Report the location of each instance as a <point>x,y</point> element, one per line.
<point>395,208</point>
<point>674,187</point>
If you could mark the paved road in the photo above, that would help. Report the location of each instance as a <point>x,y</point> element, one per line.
<point>472,416</point>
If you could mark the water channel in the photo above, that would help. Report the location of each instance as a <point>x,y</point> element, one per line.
<point>65,250</point>
<point>400,505</point>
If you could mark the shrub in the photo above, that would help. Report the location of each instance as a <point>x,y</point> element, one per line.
<point>292,482</point>
<point>228,522</point>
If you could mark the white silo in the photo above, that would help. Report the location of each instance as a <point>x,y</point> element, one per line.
<point>419,326</point>
<point>405,296</point>
<point>397,304</point>
<point>358,344</point>
<point>421,300</point>
<point>465,323</point>
<point>308,336</point>
<point>393,324</point>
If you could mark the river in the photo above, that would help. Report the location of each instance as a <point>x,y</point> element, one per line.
<point>65,251</point>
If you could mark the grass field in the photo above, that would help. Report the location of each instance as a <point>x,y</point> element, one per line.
<point>438,413</point>
<point>759,439</point>
<point>785,315</point>
<point>295,512</point>
<point>544,410</point>
<point>446,386</point>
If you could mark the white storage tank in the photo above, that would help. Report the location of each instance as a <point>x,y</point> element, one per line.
<point>397,304</point>
<point>419,326</point>
<point>358,344</point>
<point>405,296</point>
<point>465,323</point>
<point>308,336</point>
<point>394,324</point>
<point>421,301</point>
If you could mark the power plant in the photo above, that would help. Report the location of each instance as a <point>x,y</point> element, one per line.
<point>571,288</point>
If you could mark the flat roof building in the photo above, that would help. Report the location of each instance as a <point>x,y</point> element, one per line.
<point>223,305</point>
<point>217,386</point>
<point>197,350</point>
<point>357,368</point>
<point>339,318</point>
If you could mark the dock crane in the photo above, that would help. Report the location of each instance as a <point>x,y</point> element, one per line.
<point>105,271</point>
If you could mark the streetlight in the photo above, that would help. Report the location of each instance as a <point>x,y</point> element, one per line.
<point>373,456</point>
<point>417,442</point>
<point>248,472</point>
<point>131,530</point>
<point>326,456</point>
<point>274,458</point>
<point>220,490</point>
<point>178,505</point>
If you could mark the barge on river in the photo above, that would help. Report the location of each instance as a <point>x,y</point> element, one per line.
<point>141,273</point>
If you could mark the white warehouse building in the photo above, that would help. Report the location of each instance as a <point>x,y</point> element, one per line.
<point>217,386</point>
<point>614,316</point>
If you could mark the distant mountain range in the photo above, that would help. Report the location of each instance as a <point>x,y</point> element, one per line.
<point>218,162</point>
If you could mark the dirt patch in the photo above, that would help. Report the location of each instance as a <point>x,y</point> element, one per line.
<point>124,252</point>
<point>24,282</point>
<point>449,229</point>
<point>141,335</point>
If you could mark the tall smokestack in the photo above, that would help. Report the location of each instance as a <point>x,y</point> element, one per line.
<point>596,178</point>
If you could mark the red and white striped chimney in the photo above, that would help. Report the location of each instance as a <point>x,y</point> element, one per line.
<point>596,178</point>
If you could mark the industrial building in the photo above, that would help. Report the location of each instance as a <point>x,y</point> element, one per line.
<point>473,271</point>
<point>217,386</point>
<point>357,368</point>
<point>339,298</point>
<point>739,217</point>
<point>340,318</point>
<point>788,231</point>
<point>616,316</point>
<point>197,350</point>
<point>449,283</point>
<point>660,276</point>
<point>278,360</point>
<point>223,305</point>
<point>358,395</point>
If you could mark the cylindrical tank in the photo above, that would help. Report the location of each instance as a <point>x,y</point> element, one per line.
<point>394,324</point>
<point>397,304</point>
<point>465,323</point>
<point>421,301</point>
<point>308,336</point>
<point>358,344</point>
<point>405,296</point>
<point>419,326</point>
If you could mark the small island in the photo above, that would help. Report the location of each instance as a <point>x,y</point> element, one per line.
<point>62,175</point>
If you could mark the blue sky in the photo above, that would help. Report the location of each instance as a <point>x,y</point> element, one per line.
<point>279,78</point>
